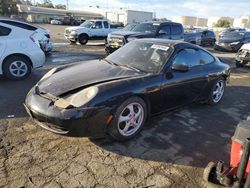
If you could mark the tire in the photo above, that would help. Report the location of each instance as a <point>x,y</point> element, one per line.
<point>240,63</point>
<point>83,39</point>
<point>209,172</point>
<point>217,92</point>
<point>123,125</point>
<point>72,42</point>
<point>17,67</point>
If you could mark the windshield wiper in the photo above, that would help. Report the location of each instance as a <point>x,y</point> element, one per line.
<point>130,67</point>
<point>120,65</point>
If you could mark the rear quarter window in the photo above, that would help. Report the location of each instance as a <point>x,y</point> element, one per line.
<point>4,31</point>
<point>20,25</point>
<point>205,58</point>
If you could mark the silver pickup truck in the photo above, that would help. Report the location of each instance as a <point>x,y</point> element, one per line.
<point>90,29</point>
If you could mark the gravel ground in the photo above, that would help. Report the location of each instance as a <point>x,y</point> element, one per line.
<point>171,151</point>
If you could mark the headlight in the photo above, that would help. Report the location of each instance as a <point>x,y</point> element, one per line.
<point>235,43</point>
<point>78,99</point>
<point>73,32</point>
<point>130,39</point>
<point>108,37</point>
<point>48,74</point>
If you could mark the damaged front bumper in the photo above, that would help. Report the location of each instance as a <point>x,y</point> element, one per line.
<point>87,121</point>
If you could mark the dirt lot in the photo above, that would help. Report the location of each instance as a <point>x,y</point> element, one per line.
<point>171,151</point>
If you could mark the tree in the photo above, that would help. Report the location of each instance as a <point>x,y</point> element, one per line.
<point>60,6</point>
<point>8,7</point>
<point>46,4</point>
<point>222,23</point>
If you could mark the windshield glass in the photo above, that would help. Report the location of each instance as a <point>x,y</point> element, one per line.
<point>235,35</point>
<point>87,24</point>
<point>143,56</point>
<point>129,27</point>
<point>146,28</point>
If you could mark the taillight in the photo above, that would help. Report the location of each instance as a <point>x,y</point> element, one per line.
<point>32,37</point>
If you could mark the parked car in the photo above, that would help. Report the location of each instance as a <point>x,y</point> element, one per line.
<point>42,34</point>
<point>243,56</point>
<point>116,95</point>
<point>153,29</point>
<point>90,29</point>
<point>19,52</point>
<point>201,37</point>
<point>232,41</point>
<point>229,30</point>
<point>56,22</point>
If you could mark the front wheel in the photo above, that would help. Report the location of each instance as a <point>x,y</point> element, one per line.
<point>217,91</point>
<point>129,119</point>
<point>83,39</point>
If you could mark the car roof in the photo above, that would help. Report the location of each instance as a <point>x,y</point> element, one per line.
<point>166,42</point>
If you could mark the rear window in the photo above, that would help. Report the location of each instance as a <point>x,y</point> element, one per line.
<point>4,31</point>
<point>176,30</point>
<point>20,25</point>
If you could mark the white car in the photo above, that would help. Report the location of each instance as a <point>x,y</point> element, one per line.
<point>56,22</point>
<point>90,29</point>
<point>19,52</point>
<point>42,34</point>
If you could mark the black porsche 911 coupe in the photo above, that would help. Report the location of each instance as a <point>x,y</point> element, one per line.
<point>117,94</point>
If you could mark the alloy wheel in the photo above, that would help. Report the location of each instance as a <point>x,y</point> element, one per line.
<point>18,68</point>
<point>130,119</point>
<point>218,91</point>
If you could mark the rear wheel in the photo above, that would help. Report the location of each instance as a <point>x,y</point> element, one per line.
<point>217,91</point>
<point>240,63</point>
<point>17,67</point>
<point>129,119</point>
<point>83,39</point>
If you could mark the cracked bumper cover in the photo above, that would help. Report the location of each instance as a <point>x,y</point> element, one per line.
<point>89,121</point>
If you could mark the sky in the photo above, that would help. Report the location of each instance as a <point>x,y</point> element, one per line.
<point>170,8</point>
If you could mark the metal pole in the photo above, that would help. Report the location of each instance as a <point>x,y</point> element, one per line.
<point>243,163</point>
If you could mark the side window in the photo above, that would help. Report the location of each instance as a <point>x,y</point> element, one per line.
<point>98,25</point>
<point>205,58</point>
<point>166,29</point>
<point>106,25</point>
<point>211,34</point>
<point>18,24</point>
<point>176,30</point>
<point>4,31</point>
<point>247,35</point>
<point>188,57</point>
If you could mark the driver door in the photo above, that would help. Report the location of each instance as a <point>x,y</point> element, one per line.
<point>182,87</point>
<point>97,29</point>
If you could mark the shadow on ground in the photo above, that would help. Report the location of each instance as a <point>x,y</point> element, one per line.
<point>192,136</point>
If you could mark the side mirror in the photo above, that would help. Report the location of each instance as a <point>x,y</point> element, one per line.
<point>93,27</point>
<point>162,32</point>
<point>180,67</point>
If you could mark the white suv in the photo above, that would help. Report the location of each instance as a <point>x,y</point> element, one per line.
<point>19,52</point>
<point>43,35</point>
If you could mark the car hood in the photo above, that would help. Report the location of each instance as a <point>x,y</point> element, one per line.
<point>132,34</point>
<point>73,28</point>
<point>229,40</point>
<point>83,74</point>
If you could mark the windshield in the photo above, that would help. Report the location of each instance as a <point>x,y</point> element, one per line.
<point>235,35</point>
<point>129,27</point>
<point>143,56</point>
<point>146,28</point>
<point>87,24</point>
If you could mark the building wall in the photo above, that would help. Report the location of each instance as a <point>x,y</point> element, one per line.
<point>191,21</point>
<point>138,16</point>
<point>243,22</point>
<point>122,15</point>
